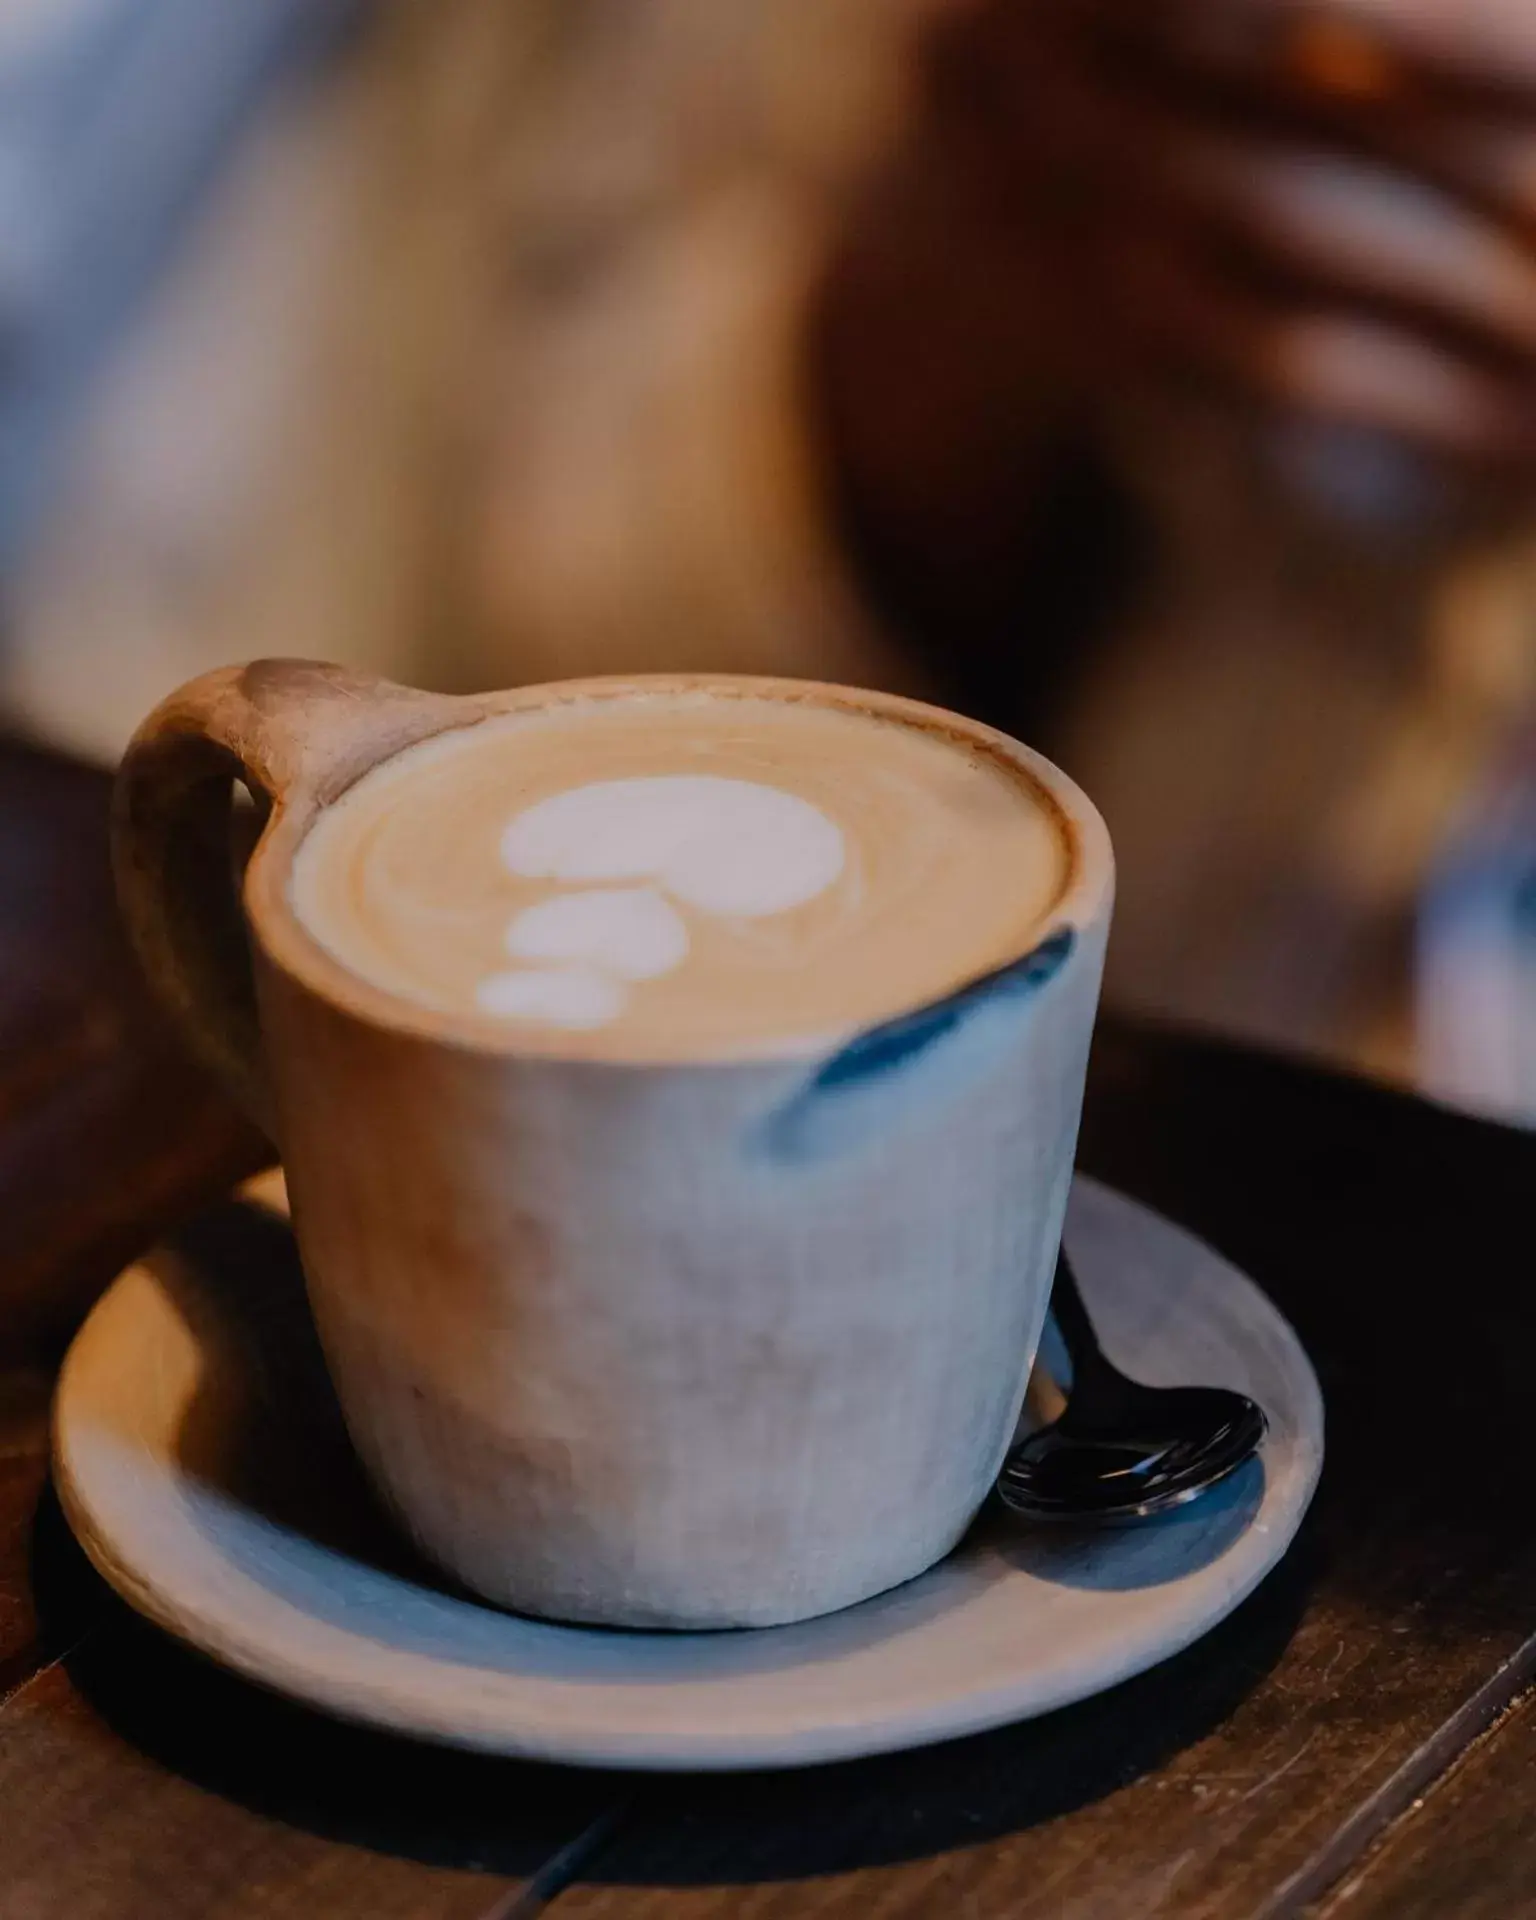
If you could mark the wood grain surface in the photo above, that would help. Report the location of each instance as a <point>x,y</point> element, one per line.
<point>136,1780</point>
<point>139,1781</point>
<point>107,1133</point>
<point>1242,1778</point>
<point>1330,1728</point>
<point>23,1471</point>
<point>1469,1850</point>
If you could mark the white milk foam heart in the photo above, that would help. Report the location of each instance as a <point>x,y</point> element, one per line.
<point>561,996</point>
<point>733,848</point>
<point>634,932</point>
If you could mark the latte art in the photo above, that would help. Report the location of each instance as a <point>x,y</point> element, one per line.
<point>681,875</point>
<point>728,847</point>
<point>633,932</point>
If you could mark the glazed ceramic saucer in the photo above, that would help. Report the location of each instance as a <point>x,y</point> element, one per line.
<point>203,1465</point>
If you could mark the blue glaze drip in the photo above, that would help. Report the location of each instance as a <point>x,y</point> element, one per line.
<point>810,1123</point>
<point>886,1047</point>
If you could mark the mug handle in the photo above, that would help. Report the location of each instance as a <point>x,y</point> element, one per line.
<point>289,730</point>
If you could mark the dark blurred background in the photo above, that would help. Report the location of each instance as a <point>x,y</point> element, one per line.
<point>1158,384</point>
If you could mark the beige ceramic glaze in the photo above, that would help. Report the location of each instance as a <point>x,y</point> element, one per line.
<point>690,1345</point>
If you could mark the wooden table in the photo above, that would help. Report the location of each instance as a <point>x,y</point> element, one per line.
<point>1353,1741</point>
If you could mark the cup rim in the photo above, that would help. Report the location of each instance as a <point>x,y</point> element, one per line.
<point>286,943</point>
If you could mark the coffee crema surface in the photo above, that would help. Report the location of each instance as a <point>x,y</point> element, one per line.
<point>682,875</point>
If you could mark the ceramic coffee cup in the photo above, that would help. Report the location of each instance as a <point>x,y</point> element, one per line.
<point>723,1343</point>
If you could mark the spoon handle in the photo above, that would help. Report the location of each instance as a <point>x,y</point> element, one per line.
<point>1071,1315</point>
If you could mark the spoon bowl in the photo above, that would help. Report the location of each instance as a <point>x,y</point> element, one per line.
<point>1122,1451</point>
